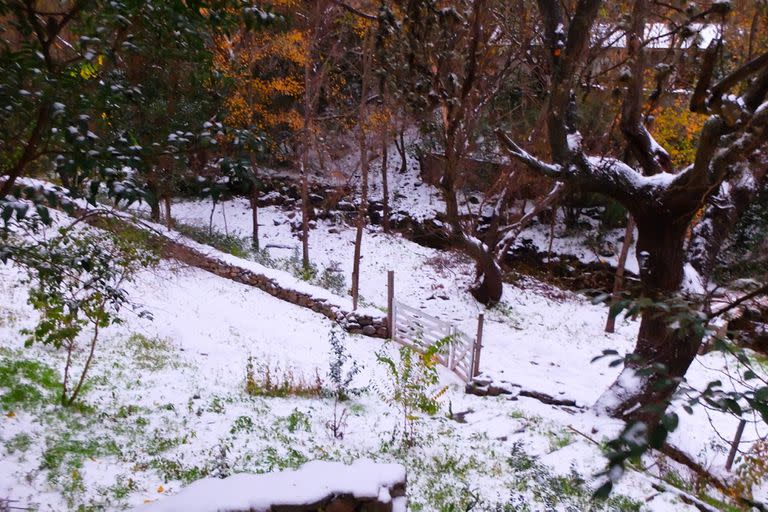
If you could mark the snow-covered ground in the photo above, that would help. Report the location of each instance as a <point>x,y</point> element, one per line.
<point>552,339</point>
<point>167,403</point>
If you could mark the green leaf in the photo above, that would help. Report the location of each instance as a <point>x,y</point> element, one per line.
<point>670,421</point>
<point>603,491</point>
<point>761,394</point>
<point>21,210</point>
<point>729,404</point>
<point>44,214</point>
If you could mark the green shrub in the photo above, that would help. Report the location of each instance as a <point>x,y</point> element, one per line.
<point>230,244</point>
<point>27,384</point>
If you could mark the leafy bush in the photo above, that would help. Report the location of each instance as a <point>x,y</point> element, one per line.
<point>412,388</point>
<point>340,375</point>
<point>27,383</point>
<point>76,280</point>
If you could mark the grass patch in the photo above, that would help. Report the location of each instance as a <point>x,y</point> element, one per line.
<point>150,353</point>
<point>230,244</point>
<point>558,440</point>
<point>170,470</point>
<point>18,443</point>
<point>262,379</point>
<point>27,384</point>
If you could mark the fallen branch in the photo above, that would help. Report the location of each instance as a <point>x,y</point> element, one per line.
<point>684,496</point>
<point>549,400</point>
<point>679,456</point>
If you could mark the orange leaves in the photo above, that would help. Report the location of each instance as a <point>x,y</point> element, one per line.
<point>752,471</point>
<point>266,69</point>
<point>677,129</point>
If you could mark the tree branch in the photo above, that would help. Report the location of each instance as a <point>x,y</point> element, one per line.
<point>355,11</point>
<point>763,290</point>
<point>523,156</point>
<point>649,154</point>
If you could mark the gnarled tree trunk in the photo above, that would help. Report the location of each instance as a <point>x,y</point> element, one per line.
<point>661,346</point>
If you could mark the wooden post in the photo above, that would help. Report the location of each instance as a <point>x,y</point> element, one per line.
<point>735,444</point>
<point>478,346</point>
<point>391,304</point>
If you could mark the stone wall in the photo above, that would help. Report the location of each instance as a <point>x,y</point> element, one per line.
<point>352,322</point>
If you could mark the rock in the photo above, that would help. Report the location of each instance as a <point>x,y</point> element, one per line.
<point>369,330</point>
<point>482,380</point>
<point>606,250</point>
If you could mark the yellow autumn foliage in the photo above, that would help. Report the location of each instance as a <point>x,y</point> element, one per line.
<point>677,129</point>
<point>267,69</point>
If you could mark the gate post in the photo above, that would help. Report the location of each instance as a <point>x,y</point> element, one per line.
<point>391,304</point>
<point>735,444</point>
<point>478,346</point>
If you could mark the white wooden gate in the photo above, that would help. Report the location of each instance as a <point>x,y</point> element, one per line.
<point>418,330</point>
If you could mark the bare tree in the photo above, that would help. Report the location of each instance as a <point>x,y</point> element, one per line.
<point>453,68</point>
<point>362,209</point>
<point>318,19</point>
<point>663,203</point>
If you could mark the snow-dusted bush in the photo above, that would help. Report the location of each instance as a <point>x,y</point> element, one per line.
<point>413,384</point>
<point>340,375</point>
<point>76,278</point>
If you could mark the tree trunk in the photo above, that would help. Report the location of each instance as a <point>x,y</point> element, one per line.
<point>306,134</point>
<point>362,210</point>
<point>153,198</point>
<point>154,209</point>
<point>488,287</point>
<point>168,218</point>
<point>210,218</point>
<point>618,282</point>
<point>254,199</point>
<point>666,349</point>
<point>401,150</point>
<point>384,178</point>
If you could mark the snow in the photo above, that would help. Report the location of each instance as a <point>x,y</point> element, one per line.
<point>574,141</point>
<point>538,337</point>
<point>627,384</point>
<point>660,36</point>
<point>692,281</point>
<point>311,483</point>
